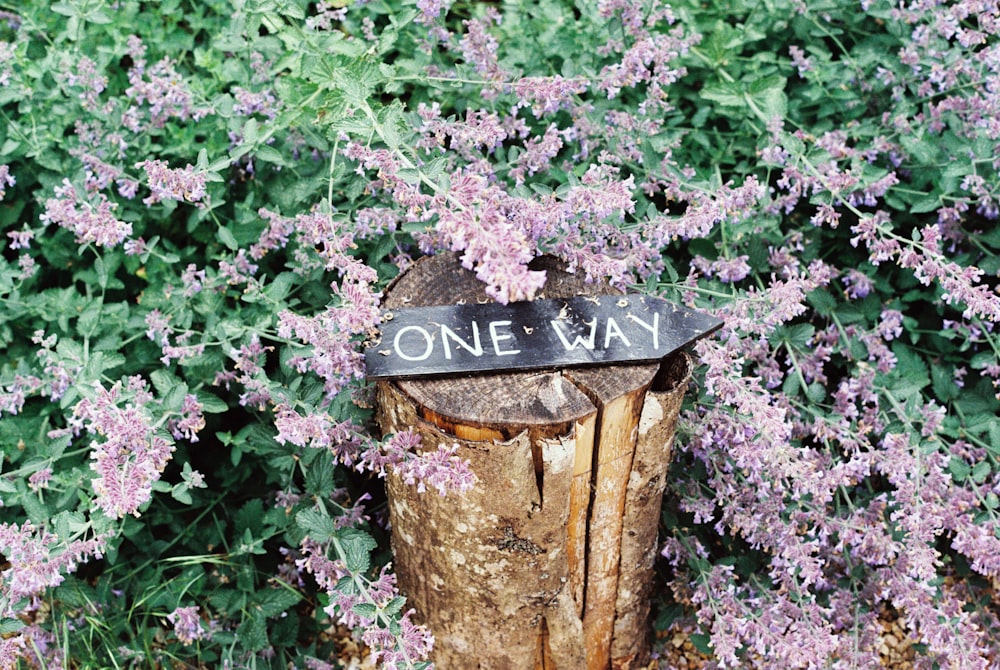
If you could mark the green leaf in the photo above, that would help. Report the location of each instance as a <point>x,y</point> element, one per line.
<point>269,154</point>
<point>227,238</point>
<point>366,610</point>
<point>318,525</point>
<point>211,404</point>
<point>252,633</point>
<point>994,431</point>
<point>357,547</point>
<point>181,494</point>
<point>250,131</point>
<point>273,602</point>
<point>394,606</point>
<point>174,399</point>
<point>89,320</point>
<point>701,642</point>
<point>927,204</point>
<point>959,469</point>
<point>767,95</point>
<point>281,286</point>
<point>816,392</point>
<point>980,472</point>
<point>797,335</point>
<point>102,272</point>
<point>163,381</point>
<point>8,626</point>
<point>992,500</point>
<point>944,385</point>
<point>725,94</point>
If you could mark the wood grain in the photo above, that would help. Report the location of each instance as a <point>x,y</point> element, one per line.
<point>527,570</point>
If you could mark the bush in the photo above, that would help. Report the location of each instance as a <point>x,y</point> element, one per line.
<point>202,202</point>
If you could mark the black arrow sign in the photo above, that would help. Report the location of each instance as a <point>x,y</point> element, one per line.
<point>423,341</point>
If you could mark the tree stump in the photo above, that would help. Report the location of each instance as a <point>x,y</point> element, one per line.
<point>548,562</point>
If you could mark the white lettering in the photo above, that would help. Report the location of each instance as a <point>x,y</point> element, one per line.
<point>476,349</point>
<point>587,343</point>
<point>614,331</point>
<point>497,338</point>
<point>654,329</point>
<point>406,357</point>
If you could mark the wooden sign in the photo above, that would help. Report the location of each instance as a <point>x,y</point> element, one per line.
<point>537,334</point>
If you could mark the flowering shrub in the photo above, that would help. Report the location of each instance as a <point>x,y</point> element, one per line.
<point>202,202</point>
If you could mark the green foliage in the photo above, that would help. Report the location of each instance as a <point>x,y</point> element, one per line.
<point>201,202</point>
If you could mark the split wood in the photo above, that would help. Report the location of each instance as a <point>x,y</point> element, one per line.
<point>548,562</point>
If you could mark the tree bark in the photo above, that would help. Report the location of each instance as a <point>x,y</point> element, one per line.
<point>547,562</point>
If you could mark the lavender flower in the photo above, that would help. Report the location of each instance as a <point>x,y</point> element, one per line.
<point>7,56</point>
<point>191,421</point>
<point>87,78</point>
<point>193,280</point>
<point>800,61</point>
<point>728,270</point>
<point>249,102</point>
<point>21,239</point>
<point>12,648</point>
<point>394,648</point>
<point>327,14</point>
<point>187,625</point>
<point>859,285</point>
<point>479,47</point>
<point>538,153</point>
<point>180,184</point>
<point>131,456</point>
<point>91,221</point>
<point>432,10</point>
<point>443,469</point>
<point>161,88</point>
<point>6,179</point>
<point>40,479</point>
<point>38,560</point>
<point>546,95</point>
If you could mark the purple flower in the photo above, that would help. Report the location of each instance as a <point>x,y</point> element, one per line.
<point>538,153</point>
<point>87,78</point>
<point>6,57</point>
<point>180,184</point>
<point>187,625</point>
<point>91,221</point>
<point>158,326</point>
<point>859,285</point>
<point>38,559</point>
<point>130,457</point>
<point>479,47</point>
<point>161,88</point>
<point>21,239</point>
<point>394,647</point>
<point>443,469</point>
<point>11,649</point>
<point>249,102</point>
<point>799,60</point>
<point>328,13</point>
<point>135,247</point>
<point>239,270</point>
<point>432,10</point>
<point>190,422</point>
<point>480,130</point>
<point>317,431</point>
<point>6,179</point>
<point>728,270</point>
<point>40,479</point>
<point>545,95</point>
<point>193,280</point>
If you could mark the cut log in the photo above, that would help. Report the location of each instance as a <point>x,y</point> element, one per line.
<point>547,562</point>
